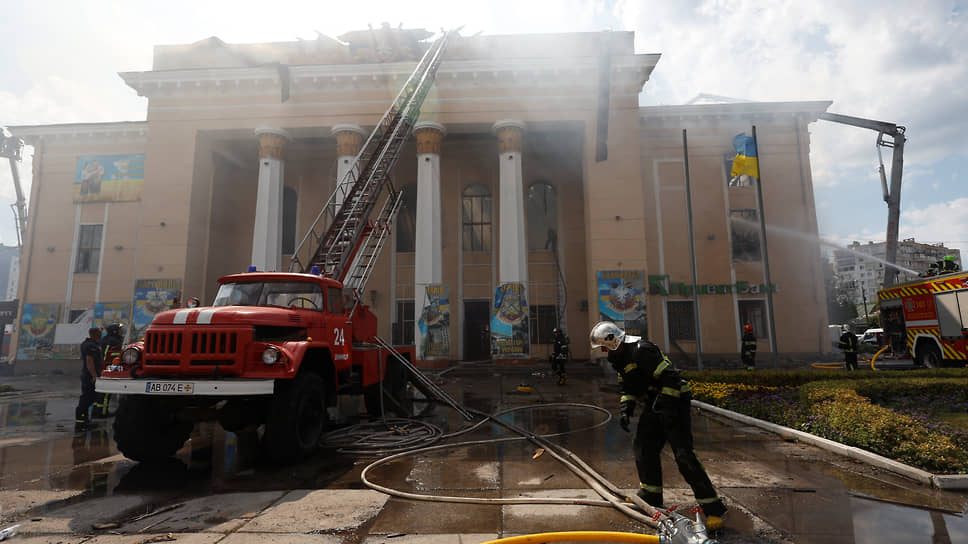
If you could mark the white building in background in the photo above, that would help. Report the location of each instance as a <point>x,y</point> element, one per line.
<point>864,277</point>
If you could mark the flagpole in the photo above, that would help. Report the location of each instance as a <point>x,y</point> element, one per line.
<point>766,253</point>
<point>697,323</point>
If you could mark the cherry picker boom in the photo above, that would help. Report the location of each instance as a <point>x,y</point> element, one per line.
<point>892,194</point>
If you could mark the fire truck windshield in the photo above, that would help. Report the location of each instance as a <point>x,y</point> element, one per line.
<point>286,294</point>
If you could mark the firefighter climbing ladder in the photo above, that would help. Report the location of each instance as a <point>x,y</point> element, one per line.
<point>350,244</point>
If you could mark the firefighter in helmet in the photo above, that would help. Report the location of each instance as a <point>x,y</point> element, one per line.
<point>848,344</point>
<point>748,353</point>
<point>560,355</point>
<point>646,376</point>
<point>111,344</point>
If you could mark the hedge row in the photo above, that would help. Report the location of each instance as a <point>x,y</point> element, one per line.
<point>796,378</point>
<point>900,425</point>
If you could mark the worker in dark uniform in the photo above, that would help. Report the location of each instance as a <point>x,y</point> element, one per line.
<point>560,355</point>
<point>848,344</point>
<point>748,353</point>
<point>91,357</point>
<point>948,265</point>
<point>647,376</point>
<point>111,345</point>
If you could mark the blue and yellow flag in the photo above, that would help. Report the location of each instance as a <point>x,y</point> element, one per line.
<point>745,163</point>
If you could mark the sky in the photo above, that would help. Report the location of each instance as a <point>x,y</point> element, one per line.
<point>904,62</point>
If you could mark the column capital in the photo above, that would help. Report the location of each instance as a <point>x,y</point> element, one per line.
<point>429,135</point>
<point>349,138</point>
<point>272,142</point>
<point>509,133</point>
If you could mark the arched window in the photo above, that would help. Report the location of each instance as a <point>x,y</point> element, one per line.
<point>289,206</point>
<point>542,208</point>
<point>476,218</point>
<point>407,220</point>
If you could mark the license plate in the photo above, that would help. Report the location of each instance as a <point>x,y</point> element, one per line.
<point>169,388</point>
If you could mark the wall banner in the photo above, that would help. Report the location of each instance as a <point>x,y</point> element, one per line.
<point>150,298</point>
<point>434,323</point>
<point>116,178</point>
<point>509,322</point>
<point>621,300</point>
<point>106,313</point>
<point>37,331</point>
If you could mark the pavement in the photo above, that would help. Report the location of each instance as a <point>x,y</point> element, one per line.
<point>71,488</point>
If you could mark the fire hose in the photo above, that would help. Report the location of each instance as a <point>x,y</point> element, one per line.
<point>672,527</point>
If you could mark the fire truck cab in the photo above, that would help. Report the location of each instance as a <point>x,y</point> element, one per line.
<point>927,319</point>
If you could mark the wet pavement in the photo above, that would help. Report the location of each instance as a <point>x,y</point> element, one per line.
<point>57,484</point>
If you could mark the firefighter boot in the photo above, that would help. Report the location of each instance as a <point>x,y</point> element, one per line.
<point>715,514</point>
<point>562,378</point>
<point>652,499</point>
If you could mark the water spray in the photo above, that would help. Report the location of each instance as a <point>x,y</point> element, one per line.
<point>812,238</point>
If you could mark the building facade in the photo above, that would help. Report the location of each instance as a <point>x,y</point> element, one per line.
<point>863,277</point>
<point>532,164</point>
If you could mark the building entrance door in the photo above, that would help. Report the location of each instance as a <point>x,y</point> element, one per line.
<point>477,330</point>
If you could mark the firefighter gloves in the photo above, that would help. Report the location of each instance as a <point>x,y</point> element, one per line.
<point>628,411</point>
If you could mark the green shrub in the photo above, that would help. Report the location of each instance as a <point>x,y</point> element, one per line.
<point>841,409</point>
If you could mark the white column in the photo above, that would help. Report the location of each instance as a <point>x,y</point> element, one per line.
<point>267,234</point>
<point>349,140</point>
<point>513,262</point>
<point>428,264</point>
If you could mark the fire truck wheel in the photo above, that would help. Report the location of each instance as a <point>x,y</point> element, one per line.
<point>297,418</point>
<point>928,356</point>
<point>146,430</point>
<point>396,401</point>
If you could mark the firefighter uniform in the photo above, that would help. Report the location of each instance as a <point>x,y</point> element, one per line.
<point>647,376</point>
<point>748,353</point>
<point>111,345</point>
<point>560,355</point>
<point>848,344</point>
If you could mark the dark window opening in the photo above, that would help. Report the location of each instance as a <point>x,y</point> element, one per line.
<point>407,220</point>
<point>682,324</point>
<point>542,208</point>
<point>403,325</point>
<point>88,249</point>
<point>476,218</point>
<point>543,318</point>
<point>753,312</point>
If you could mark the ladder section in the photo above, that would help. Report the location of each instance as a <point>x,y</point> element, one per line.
<point>371,243</point>
<point>335,236</point>
<point>422,382</point>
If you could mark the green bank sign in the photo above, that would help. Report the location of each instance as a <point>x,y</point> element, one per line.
<point>660,285</point>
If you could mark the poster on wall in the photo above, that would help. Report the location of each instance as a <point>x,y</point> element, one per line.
<point>106,313</point>
<point>150,298</point>
<point>37,331</point>
<point>621,299</point>
<point>434,323</point>
<point>509,322</point>
<point>115,178</point>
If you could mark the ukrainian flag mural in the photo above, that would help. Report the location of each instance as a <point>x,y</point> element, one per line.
<point>746,166</point>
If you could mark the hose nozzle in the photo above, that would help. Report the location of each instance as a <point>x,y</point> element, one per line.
<point>678,529</point>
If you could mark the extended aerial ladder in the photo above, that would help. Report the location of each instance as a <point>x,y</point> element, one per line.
<point>343,243</point>
<point>892,194</point>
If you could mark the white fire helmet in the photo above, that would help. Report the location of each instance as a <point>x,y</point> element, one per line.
<point>608,334</point>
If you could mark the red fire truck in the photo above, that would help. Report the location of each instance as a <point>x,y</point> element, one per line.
<point>276,348</point>
<point>927,319</point>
